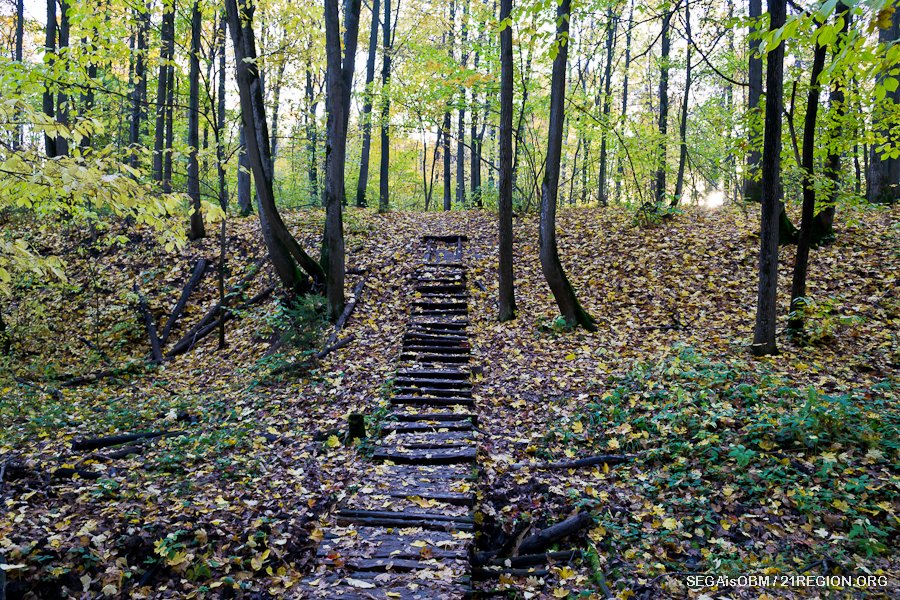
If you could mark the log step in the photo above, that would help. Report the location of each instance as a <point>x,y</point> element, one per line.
<point>427,456</point>
<point>458,374</point>
<point>432,382</point>
<point>434,358</point>
<point>432,401</point>
<point>433,392</point>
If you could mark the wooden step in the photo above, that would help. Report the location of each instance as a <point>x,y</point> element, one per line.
<point>434,358</point>
<point>458,374</point>
<point>433,392</point>
<point>406,519</point>
<point>432,400</point>
<point>432,382</point>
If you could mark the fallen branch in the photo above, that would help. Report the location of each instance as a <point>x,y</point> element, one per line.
<point>82,445</point>
<point>533,560</point>
<point>196,277</point>
<point>591,461</point>
<point>546,537</point>
<point>50,391</point>
<point>103,355</point>
<point>150,324</point>
<point>201,330</point>
<point>76,380</point>
<point>294,366</point>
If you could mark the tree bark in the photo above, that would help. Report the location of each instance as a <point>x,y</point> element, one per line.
<point>663,109</point>
<point>140,84</point>
<point>884,172</point>
<point>339,78</point>
<point>446,148</point>
<point>312,137</point>
<point>621,168</point>
<point>62,98</point>
<point>563,292</point>
<point>198,230</point>
<point>276,101</point>
<point>166,48</point>
<point>801,261</point>
<point>49,105</point>
<point>384,172</point>
<point>505,266</point>
<point>823,224</point>
<point>752,184</point>
<point>767,292</point>
<point>284,250</point>
<point>220,116</point>
<point>244,200</point>
<point>363,182</point>
<point>682,126</point>
<point>461,121</point>
<point>607,87</point>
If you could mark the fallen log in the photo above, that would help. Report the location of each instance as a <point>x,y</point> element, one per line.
<point>67,473</point>
<point>202,330</point>
<point>533,560</point>
<point>82,445</point>
<point>590,461</point>
<point>196,277</point>
<point>546,537</point>
<point>150,324</point>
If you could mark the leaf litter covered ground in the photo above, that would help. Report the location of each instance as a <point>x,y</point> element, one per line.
<point>738,466</point>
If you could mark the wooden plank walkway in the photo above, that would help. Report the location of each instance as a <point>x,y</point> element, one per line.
<point>408,530</point>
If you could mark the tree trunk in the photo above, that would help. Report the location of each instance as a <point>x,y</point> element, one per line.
<point>766,302</point>
<point>384,172</point>
<point>505,266</point>
<point>363,182</point>
<point>752,184</point>
<point>244,200</point>
<point>170,130</point>
<point>167,41</point>
<point>461,122</point>
<point>663,110</point>
<point>801,262</point>
<point>140,84</point>
<point>823,223</point>
<point>198,230</point>
<point>884,171</point>
<point>50,58</point>
<point>276,101</point>
<point>19,137</point>
<point>621,168</point>
<point>448,186</point>
<point>339,77</point>
<point>283,248</point>
<point>563,292</point>
<point>475,137</point>
<point>607,86</point>
<point>62,99</point>
<point>682,126</point>
<point>312,138</point>
<point>220,117</point>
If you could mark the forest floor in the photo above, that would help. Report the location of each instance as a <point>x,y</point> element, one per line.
<point>785,465</point>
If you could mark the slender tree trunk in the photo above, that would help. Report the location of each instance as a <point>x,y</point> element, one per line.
<point>19,137</point>
<point>220,117</point>
<point>767,293</point>
<point>663,109</point>
<point>245,202</point>
<point>621,168</point>
<point>62,99</point>
<point>276,101</point>
<point>563,292</point>
<point>461,122</point>
<point>823,223</point>
<point>50,58</point>
<point>801,262</point>
<point>170,130</point>
<point>884,171</point>
<point>682,126</point>
<point>198,230</point>
<point>752,183</point>
<point>166,49</point>
<point>607,87</point>
<point>363,182</point>
<point>139,91</point>
<point>475,137</point>
<point>505,266</point>
<point>284,250</point>
<point>384,173</point>
<point>312,137</point>
<point>448,186</point>
<point>338,78</point>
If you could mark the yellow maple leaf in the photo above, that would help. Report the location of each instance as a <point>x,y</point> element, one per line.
<point>670,523</point>
<point>577,427</point>
<point>560,593</point>
<point>333,441</point>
